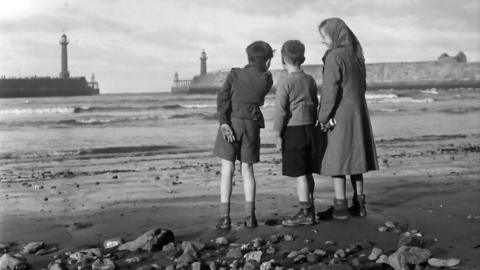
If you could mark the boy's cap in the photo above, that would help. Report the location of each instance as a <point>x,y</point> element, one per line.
<point>259,51</point>
<point>294,50</point>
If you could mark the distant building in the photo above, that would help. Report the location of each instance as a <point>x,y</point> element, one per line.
<point>460,58</point>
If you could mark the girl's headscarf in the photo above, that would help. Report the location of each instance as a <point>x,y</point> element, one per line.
<point>342,36</point>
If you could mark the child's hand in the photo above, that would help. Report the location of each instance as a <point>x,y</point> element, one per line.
<point>227,133</point>
<point>279,143</point>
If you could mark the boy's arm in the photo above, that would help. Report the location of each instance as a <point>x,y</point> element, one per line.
<point>269,82</point>
<point>314,92</point>
<point>281,109</point>
<point>224,100</point>
<point>332,79</point>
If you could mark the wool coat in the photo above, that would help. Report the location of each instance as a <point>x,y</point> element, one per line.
<point>349,148</point>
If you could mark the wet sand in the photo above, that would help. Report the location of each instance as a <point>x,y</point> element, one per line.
<point>428,183</point>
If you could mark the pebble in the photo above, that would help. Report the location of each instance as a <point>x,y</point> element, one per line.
<point>382,259</point>
<point>196,266</point>
<point>56,266</point>
<point>267,265</point>
<point>313,258</point>
<point>340,253</point>
<point>270,250</point>
<point>113,242</point>
<point>132,260</point>
<point>328,242</point>
<point>103,264</point>
<point>234,253</point>
<point>320,252</point>
<point>376,252</point>
<point>33,247</point>
<point>390,224</point>
<point>300,259</point>
<point>288,237</point>
<point>304,250</point>
<point>258,242</point>
<point>221,241</point>
<point>435,262</point>
<point>251,265</point>
<point>292,254</point>
<point>382,229</point>
<point>253,255</point>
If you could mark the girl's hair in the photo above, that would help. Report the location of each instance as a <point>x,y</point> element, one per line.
<point>294,51</point>
<point>259,52</point>
<point>342,36</point>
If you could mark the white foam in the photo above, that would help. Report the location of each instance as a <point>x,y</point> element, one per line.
<point>55,110</point>
<point>198,106</point>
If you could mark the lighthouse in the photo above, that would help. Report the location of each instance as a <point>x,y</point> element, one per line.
<point>203,63</point>
<point>64,74</point>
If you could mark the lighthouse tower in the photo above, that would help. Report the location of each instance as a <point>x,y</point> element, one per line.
<point>203,63</point>
<point>64,74</point>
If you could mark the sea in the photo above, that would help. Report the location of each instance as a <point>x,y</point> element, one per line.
<point>121,124</point>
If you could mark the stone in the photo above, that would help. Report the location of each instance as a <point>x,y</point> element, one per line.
<point>275,238</point>
<point>234,253</point>
<point>212,266</point>
<point>382,229</point>
<point>33,247</point>
<point>85,254</point>
<point>288,237</point>
<point>340,253</point>
<point>376,251</point>
<point>113,242</point>
<point>8,261</point>
<point>253,255</point>
<point>313,258</point>
<point>320,252</point>
<point>405,256</point>
<point>170,267</point>
<point>169,247</point>
<point>390,224</point>
<point>258,242</point>
<point>189,248</point>
<point>300,259</point>
<point>151,240</point>
<point>251,265</point>
<point>221,241</point>
<point>266,265</point>
<point>304,250</point>
<point>382,259</point>
<point>356,262</point>
<point>292,254</point>
<point>435,262</point>
<point>412,240</point>
<point>103,264</point>
<point>56,266</point>
<point>270,250</point>
<point>132,260</point>
<point>330,243</point>
<point>186,258</point>
<point>196,266</point>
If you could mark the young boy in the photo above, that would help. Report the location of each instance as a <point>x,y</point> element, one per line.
<point>238,109</point>
<point>295,117</point>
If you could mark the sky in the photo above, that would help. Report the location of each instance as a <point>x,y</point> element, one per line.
<point>135,46</point>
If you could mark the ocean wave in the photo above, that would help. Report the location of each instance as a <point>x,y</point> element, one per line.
<point>432,91</point>
<point>380,96</point>
<point>205,116</point>
<point>400,100</point>
<point>54,110</point>
<point>198,106</point>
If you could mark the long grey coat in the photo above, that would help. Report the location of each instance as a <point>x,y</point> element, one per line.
<point>349,148</point>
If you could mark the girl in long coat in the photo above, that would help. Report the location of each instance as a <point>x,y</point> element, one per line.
<point>348,148</point>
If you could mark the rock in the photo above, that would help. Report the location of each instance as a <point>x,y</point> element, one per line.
<point>132,260</point>
<point>452,262</point>
<point>382,229</point>
<point>340,253</point>
<point>390,224</point>
<point>196,266</point>
<point>292,254</point>
<point>8,261</point>
<point>405,256</point>
<point>382,259</point>
<point>258,242</point>
<point>169,247</point>
<point>330,243</point>
<point>397,230</point>
<point>267,265</point>
<point>186,258</point>
<point>313,258</point>
<point>234,265</point>
<point>212,266</point>
<point>270,250</point>
<point>190,248</point>
<point>170,267</point>
<point>56,266</point>
<point>288,237</point>
<point>251,265</point>
<point>320,252</point>
<point>113,242</point>
<point>33,247</point>
<point>149,241</point>
<point>376,251</point>
<point>103,264</point>
<point>300,259</point>
<point>304,250</point>
<point>275,238</point>
<point>412,240</point>
<point>253,255</point>
<point>234,253</point>
<point>356,262</point>
<point>85,254</point>
<point>221,241</point>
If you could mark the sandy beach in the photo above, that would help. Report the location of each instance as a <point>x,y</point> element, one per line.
<point>430,184</point>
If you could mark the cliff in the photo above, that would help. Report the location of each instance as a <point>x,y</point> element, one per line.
<point>396,75</point>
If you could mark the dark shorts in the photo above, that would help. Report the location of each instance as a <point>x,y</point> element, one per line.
<point>299,155</point>
<point>246,147</point>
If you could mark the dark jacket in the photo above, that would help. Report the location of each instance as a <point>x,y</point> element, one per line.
<point>349,148</point>
<point>243,93</point>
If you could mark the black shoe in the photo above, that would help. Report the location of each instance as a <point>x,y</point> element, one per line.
<point>250,222</point>
<point>326,215</point>
<point>224,223</point>
<point>304,217</point>
<point>340,209</point>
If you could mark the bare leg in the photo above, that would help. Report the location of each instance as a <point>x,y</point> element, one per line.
<point>339,187</point>
<point>249,184</point>
<point>227,171</point>
<point>357,184</point>
<point>340,206</point>
<point>303,190</point>
<point>311,187</point>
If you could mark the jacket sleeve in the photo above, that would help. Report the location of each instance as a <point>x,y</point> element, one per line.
<point>332,80</point>
<point>314,93</point>
<point>224,100</point>
<point>281,108</point>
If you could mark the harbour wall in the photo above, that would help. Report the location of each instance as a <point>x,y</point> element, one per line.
<point>396,75</point>
<point>45,87</point>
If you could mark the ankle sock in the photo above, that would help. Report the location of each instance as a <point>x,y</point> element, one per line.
<point>225,209</point>
<point>249,209</point>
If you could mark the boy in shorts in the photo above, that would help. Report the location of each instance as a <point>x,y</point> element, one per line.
<point>295,117</point>
<point>238,109</point>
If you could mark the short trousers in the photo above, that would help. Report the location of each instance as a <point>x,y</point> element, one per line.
<point>300,153</point>
<point>246,147</point>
